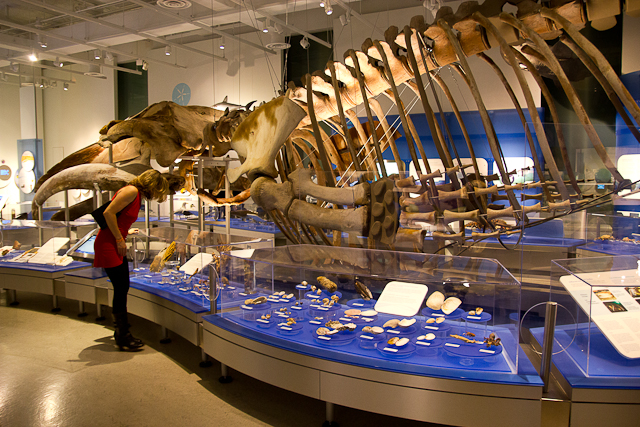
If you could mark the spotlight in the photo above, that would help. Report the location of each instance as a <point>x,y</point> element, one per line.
<point>108,56</point>
<point>167,50</point>
<point>222,43</point>
<point>33,57</point>
<point>145,65</point>
<point>41,41</point>
<point>327,8</point>
<point>321,4</point>
<point>266,26</point>
<point>138,62</point>
<point>304,42</point>
<point>57,62</point>
<point>277,28</point>
<point>97,54</point>
<point>66,86</point>
<point>41,85</point>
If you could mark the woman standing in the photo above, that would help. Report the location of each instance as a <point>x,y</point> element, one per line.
<point>110,246</point>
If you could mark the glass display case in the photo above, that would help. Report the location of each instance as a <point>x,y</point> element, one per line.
<point>32,243</point>
<point>178,264</point>
<point>597,343</point>
<point>608,234</point>
<point>444,316</point>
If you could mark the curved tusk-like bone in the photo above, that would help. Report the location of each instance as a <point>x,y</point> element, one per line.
<point>108,178</point>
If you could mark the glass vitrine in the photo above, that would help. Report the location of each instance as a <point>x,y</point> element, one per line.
<point>425,314</point>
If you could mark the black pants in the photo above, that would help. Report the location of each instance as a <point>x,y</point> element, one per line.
<point>119,277</point>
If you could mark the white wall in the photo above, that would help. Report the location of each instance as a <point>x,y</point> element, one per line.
<point>10,132</point>
<point>247,75</point>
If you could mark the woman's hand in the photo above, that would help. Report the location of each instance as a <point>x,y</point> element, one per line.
<point>122,247</point>
<point>134,231</point>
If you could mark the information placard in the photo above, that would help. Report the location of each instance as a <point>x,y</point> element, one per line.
<point>401,299</point>
<point>197,263</point>
<point>614,309</point>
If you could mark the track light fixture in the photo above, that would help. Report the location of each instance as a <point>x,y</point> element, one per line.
<point>57,62</point>
<point>266,26</point>
<point>321,4</point>
<point>66,86</point>
<point>222,43</point>
<point>42,42</point>
<point>304,42</point>
<point>97,54</point>
<point>327,7</point>
<point>138,62</point>
<point>14,67</point>
<point>167,50</point>
<point>109,56</point>
<point>145,65</point>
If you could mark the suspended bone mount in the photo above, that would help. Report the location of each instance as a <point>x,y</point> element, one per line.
<point>410,218</point>
<point>450,216</point>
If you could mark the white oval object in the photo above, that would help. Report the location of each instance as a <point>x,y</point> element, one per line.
<point>421,337</point>
<point>367,329</point>
<point>351,326</point>
<point>435,300</point>
<point>401,342</point>
<point>393,323</point>
<point>369,313</point>
<point>405,323</point>
<point>430,337</point>
<point>377,330</point>
<point>431,320</point>
<point>440,320</point>
<point>450,305</point>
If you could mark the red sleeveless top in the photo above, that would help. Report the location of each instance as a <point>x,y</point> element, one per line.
<point>105,248</point>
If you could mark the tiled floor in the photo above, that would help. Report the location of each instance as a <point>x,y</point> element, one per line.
<point>61,370</point>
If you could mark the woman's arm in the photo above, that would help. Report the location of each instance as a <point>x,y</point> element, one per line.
<point>121,201</point>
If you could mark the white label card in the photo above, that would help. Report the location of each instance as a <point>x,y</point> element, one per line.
<point>474,317</point>
<point>366,337</point>
<point>197,262</point>
<point>423,343</point>
<point>48,252</point>
<point>487,351</point>
<point>435,328</point>
<point>393,350</point>
<point>315,322</point>
<point>356,304</point>
<point>448,344</point>
<point>401,299</point>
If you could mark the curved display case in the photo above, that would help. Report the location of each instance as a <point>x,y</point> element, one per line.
<point>333,322</point>
<point>33,256</point>
<point>171,270</point>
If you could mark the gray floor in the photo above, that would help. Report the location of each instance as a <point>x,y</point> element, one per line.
<point>61,370</point>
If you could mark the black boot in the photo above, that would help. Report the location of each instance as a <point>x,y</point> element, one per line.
<point>124,340</point>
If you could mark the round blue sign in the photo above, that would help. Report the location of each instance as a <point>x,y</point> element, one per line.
<point>181,94</point>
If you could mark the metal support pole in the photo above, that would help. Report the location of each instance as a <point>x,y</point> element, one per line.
<point>213,290</point>
<point>111,193</point>
<point>329,412</point>
<point>170,201</point>
<point>134,251</point>
<point>66,212</point>
<point>165,335</point>
<point>98,195</point>
<point>547,343</point>
<point>81,312</point>
<point>54,301</point>
<point>227,208</point>
<point>224,377</point>
<point>200,202</point>
<point>40,230</point>
<point>146,214</point>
